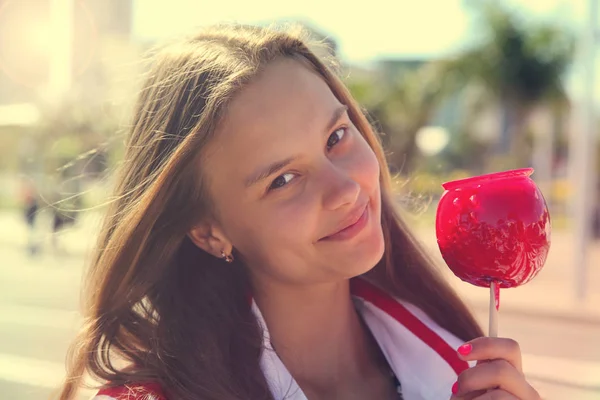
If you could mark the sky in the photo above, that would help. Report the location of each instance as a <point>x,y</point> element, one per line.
<point>367,31</point>
<point>364,31</point>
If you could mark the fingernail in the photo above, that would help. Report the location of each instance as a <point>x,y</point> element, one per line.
<point>455,388</point>
<point>465,349</point>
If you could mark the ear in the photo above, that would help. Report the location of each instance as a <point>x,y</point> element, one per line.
<point>210,238</point>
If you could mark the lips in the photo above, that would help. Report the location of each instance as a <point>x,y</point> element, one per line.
<point>351,218</point>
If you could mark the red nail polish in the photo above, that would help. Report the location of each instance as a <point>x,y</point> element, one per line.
<point>455,388</point>
<point>465,349</point>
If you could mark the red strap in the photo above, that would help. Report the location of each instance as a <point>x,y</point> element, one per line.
<point>134,392</point>
<point>390,306</point>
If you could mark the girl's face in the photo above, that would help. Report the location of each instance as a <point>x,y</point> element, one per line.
<point>294,183</point>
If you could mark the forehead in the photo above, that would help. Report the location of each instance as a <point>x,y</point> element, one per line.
<point>286,93</point>
<point>282,106</point>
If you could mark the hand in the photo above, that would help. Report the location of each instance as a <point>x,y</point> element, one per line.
<point>498,374</point>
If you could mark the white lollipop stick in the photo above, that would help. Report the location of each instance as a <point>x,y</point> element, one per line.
<point>494,306</point>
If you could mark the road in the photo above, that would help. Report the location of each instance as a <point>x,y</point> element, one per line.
<point>561,359</point>
<point>38,318</point>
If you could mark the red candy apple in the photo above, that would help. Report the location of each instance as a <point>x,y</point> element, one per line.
<point>494,228</point>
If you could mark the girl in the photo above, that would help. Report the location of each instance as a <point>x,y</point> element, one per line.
<point>253,250</point>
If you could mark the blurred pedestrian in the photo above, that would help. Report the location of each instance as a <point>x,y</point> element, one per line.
<point>63,215</point>
<point>31,203</point>
<point>60,220</point>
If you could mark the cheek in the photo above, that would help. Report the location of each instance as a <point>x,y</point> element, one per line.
<point>365,165</point>
<point>290,222</point>
<point>259,230</point>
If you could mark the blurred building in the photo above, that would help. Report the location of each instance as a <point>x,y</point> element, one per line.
<point>26,44</point>
<point>22,54</point>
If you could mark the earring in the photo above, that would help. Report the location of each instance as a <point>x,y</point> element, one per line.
<point>227,257</point>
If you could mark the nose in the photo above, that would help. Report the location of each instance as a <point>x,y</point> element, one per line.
<point>340,189</point>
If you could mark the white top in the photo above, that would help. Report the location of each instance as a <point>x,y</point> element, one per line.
<point>421,354</point>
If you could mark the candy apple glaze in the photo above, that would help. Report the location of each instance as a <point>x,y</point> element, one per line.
<point>494,227</point>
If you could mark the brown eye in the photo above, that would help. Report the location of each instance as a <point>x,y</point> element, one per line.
<point>335,137</point>
<point>281,181</point>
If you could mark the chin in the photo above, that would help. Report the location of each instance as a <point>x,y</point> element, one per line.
<point>358,254</point>
<point>363,256</point>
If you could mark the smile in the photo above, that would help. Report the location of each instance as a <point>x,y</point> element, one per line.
<point>353,225</point>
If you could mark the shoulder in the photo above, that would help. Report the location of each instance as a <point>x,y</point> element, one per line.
<point>406,323</point>
<point>142,391</point>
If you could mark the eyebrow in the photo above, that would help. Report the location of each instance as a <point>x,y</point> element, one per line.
<point>279,165</point>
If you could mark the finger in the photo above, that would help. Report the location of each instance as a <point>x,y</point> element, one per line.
<point>497,394</point>
<point>488,348</point>
<point>469,396</point>
<point>497,374</point>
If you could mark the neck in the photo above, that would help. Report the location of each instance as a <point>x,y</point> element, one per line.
<point>318,334</point>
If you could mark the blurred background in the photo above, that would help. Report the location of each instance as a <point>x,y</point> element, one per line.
<point>457,87</point>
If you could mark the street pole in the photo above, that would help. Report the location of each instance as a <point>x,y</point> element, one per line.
<point>61,48</point>
<point>584,157</point>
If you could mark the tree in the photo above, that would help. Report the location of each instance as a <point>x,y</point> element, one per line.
<point>400,105</point>
<point>520,64</point>
<point>75,134</point>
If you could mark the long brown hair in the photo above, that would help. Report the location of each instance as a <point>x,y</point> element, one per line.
<point>160,309</point>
